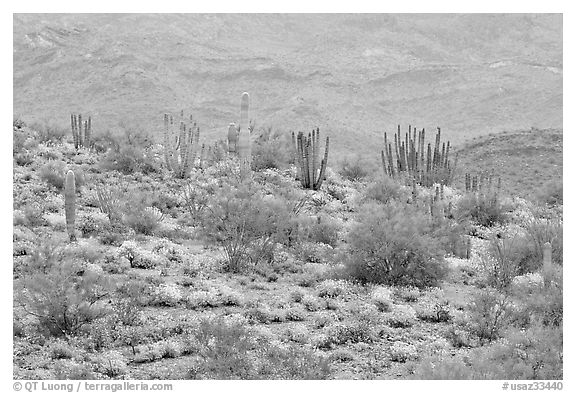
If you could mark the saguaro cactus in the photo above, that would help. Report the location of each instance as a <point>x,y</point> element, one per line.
<point>244,148</point>
<point>70,204</point>
<point>81,131</point>
<point>181,145</point>
<point>307,149</point>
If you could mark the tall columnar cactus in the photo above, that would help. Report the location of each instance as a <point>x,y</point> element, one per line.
<point>70,204</point>
<point>181,144</point>
<point>244,148</point>
<point>81,131</point>
<point>311,171</point>
<point>409,157</point>
<point>232,138</point>
<point>107,204</point>
<point>483,183</point>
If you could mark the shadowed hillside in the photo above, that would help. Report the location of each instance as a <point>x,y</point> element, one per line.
<point>352,75</point>
<point>527,161</point>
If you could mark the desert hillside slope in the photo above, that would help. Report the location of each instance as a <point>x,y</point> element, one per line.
<point>352,75</point>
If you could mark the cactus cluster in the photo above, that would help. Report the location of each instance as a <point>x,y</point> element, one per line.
<point>407,156</point>
<point>70,204</point>
<point>81,130</point>
<point>483,182</point>
<point>311,171</point>
<point>181,144</point>
<point>239,136</point>
<point>106,203</point>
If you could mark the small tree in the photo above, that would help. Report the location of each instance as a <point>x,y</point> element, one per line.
<point>392,245</point>
<point>245,223</point>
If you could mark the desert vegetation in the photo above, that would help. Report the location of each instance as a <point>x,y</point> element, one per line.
<point>254,259</point>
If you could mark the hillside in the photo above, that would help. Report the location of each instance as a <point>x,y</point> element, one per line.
<point>352,75</point>
<point>527,161</point>
<point>230,276</point>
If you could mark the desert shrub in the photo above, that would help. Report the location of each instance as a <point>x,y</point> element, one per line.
<point>48,133</point>
<point>54,174</point>
<point>342,333</point>
<point>551,193</point>
<point>195,199</point>
<point>490,313</point>
<point>438,311</point>
<point>138,213</point>
<point>245,223</point>
<point>229,350</point>
<point>270,150</point>
<point>34,215</point>
<point>112,364</point>
<point>401,316</point>
<point>382,298</point>
<point>407,294</point>
<point>541,302</point>
<point>385,190</point>
<point>402,352</point>
<point>72,369</point>
<point>321,229</point>
<point>295,314</point>
<point>332,289</point>
<point>451,235</point>
<point>293,363</point>
<point>391,245</point>
<point>541,230</point>
<point>92,224</point>
<point>65,297</point>
<point>23,159</point>
<point>137,257</point>
<point>128,159</point>
<point>499,265</point>
<point>485,209</point>
<point>355,169</point>
<point>168,295</point>
<point>533,354</point>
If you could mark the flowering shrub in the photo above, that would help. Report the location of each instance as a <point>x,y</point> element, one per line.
<point>401,352</point>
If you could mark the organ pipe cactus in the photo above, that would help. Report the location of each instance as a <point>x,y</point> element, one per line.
<point>70,204</point>
<point>311,171</point>
<point>407,156</point>
<point>81,131</point>
<point>181,144</point>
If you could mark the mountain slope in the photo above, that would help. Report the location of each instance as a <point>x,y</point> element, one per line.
<point>352,75</point>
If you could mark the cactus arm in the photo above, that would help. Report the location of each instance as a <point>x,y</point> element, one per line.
<point>232,138</point>
<point>323,165</point>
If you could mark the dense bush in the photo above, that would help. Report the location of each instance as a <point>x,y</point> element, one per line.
<point>541,230</point>
<point>532,354</point>
<point>137,212</point>
<point>500,264</point>
<point>65,296</point>
<point>245,223</point>
<point>392,245</point>
<point>551,193</point>
<point>355,169</point>
<point>229,350</point>
<point>54,173</point>
<point>270,150</point>
<point>490,313</point>
<point>321,229</point>
<point>486,209</point>
<point>385,190</point>
<point>48,133</point>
